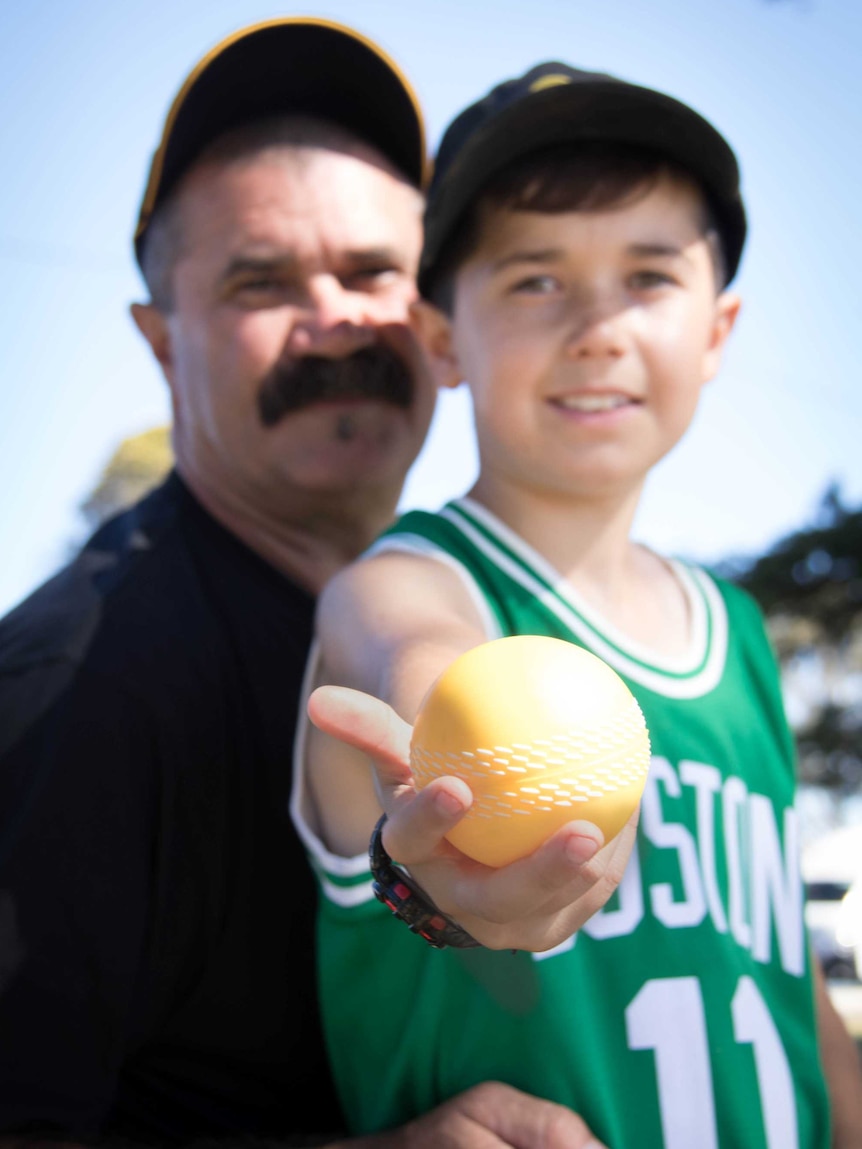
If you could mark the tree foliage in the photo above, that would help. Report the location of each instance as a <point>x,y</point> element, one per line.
<point>138,464</point>
<point>816,572</point>
<point>809,585</point>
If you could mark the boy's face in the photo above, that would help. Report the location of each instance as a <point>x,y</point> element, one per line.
<point>586,338</point>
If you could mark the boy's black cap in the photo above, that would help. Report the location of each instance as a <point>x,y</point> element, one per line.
<point>295,64</point>
<point>556,104</point>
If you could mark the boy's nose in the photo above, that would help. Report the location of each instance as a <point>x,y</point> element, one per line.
<point>597,330</point>
<point>332,322</point>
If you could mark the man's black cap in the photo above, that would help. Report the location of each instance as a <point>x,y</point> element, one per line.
<point>555,104</point>
<point>299,65</point>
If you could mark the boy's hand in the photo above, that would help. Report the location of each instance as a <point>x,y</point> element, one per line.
<point>532,904</point>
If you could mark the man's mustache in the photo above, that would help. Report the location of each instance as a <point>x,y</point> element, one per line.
<point>370,373</point>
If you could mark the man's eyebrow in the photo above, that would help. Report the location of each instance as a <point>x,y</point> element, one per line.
<point>374,257</point>
<point>254,264</point>
<point>287,262</point>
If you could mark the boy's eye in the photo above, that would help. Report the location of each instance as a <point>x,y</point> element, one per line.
<point>643,280</point>
<point>536,285</point>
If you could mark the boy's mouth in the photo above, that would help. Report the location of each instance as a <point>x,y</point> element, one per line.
<point>593,403</point>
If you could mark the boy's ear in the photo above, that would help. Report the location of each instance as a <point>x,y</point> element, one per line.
<point>726,310</point>
<point>433,329</point>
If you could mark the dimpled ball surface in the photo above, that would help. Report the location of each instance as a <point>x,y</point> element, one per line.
<point>543,733</point>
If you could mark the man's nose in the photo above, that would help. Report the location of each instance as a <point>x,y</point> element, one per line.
<point>333,321</point>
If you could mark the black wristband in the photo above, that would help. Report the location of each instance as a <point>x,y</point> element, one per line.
<point>409,902</point>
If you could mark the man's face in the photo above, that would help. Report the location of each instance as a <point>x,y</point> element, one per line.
<point>291,365</point>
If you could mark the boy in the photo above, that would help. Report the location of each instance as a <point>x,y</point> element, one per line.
<point>580,236</point>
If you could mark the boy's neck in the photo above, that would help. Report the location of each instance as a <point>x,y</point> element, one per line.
<point>588,542</point>
<point>587,537</point>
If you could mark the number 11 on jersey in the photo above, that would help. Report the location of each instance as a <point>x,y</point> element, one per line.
<point>667,1016</point>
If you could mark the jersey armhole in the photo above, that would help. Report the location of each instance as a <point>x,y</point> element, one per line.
<point>418,545</point>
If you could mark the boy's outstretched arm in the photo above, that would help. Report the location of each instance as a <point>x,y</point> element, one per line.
<point>387,627</point>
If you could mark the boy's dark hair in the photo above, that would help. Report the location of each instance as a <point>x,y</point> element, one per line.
<point>554,106</point>
<point>562,178</point>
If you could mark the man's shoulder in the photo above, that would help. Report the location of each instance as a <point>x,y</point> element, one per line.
<point>116,581</point>
<point>87,633</point>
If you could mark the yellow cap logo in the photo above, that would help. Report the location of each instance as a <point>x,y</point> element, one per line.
<point>551,81</point>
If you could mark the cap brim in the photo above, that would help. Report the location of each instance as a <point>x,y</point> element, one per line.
<point>605,111</point>
<point>296,65</point>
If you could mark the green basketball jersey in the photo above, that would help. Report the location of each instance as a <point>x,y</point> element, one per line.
<point>681,1016</point>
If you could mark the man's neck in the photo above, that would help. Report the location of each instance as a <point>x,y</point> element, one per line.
<point>306,537</point>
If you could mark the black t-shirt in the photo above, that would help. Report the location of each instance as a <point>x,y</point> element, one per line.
<point>156,907</point>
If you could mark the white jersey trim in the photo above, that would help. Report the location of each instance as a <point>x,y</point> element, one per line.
<point>348,897</point>
<point>684,664</point>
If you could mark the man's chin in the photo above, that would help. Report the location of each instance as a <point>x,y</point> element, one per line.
<point>354,449</point>
<point>361,426</point>
<point>354,456</point>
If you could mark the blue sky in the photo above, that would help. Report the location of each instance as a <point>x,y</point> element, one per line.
<point>84,87</point>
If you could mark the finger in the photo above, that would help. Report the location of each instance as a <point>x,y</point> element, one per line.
<point>415,829</point>
<point>559,916</point>
<point>566,880</point>
<point>369,725</point>
<point>417,826</point>
<point>606,868</point>
<point>559,869</point>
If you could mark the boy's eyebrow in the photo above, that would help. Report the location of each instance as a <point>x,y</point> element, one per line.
<point>548,255</point>
<point>551,254</point>
<point>668,250</point>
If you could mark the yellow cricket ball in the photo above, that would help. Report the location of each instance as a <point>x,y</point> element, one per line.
<point>543,733</point>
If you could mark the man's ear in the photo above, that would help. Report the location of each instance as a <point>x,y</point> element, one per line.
<point>153,325</point>
<point>433,329</point>
<point>726,311</point>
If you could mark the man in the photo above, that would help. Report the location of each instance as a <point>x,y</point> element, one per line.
<point>156,911</point>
